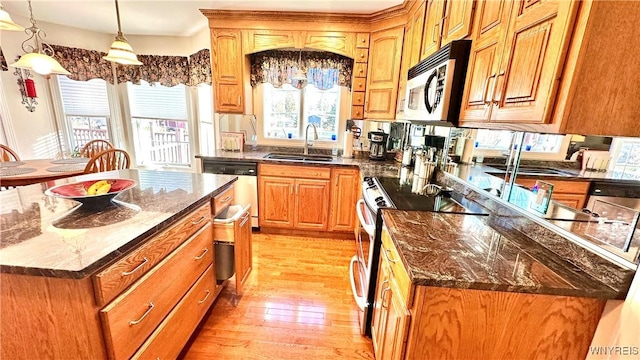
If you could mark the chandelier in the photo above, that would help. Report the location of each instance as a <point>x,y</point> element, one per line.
<point>6,23</point>
<point>121,51</point>
<point>38,58</point>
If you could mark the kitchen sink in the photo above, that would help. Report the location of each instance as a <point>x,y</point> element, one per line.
<point>299,157</point>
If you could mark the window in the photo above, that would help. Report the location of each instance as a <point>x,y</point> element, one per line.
<point>86,110</point>
<point>285,107</point>
<point>543,143</point>
<point>159,123</point>
<point>626,158</point>
<point>205,119</point>
<point>493,139</point>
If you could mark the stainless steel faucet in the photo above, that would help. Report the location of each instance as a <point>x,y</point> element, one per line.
<point>306,137</point>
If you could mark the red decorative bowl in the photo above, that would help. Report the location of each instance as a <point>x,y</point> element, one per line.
<point>78,191</point>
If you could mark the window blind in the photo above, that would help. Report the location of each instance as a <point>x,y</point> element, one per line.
<point>157,102</point>
<point>88,98</point>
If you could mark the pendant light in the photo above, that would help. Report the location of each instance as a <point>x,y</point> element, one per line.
<point>38,58</point>
<point>121,52</point>
<point>6,23</point>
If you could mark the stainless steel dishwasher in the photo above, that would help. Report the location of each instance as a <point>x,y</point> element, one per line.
<point>246,188</point>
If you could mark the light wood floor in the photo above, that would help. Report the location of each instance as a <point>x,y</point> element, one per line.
<point>297,304</point>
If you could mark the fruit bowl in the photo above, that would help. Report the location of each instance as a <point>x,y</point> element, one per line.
<point>92,193</point>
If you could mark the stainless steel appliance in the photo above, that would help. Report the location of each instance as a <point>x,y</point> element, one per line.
<point>394,193</point>
<point>378,145</point>
<point>435,85</point>
<point>624,194</point>
<point>246,188</point>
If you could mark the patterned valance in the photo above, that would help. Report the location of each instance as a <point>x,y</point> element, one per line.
<point>200,68</point>
<point>83,64</point>
<point>323,69</point>
<point>3,62</point>
<point>166,70</point>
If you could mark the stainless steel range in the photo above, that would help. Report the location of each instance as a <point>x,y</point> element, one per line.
<point>389,193</point>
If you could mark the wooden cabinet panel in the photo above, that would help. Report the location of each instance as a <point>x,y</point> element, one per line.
<point>222,200</point>
<point>359,84</point>
<point>135,314</point>
<point>312,204</point>
<point>432,30</point>
<point>307,172</point>
<point>404,287</point>
<point>415,39</point>
<point>261,40</point>
<point>342,43</point>
<point>228,67</point>
<point>357,112</point>
<point>384,73</point>
<point>243,251</point>
<point>276,201</point>
<point>362,40</point>
<point>480,78</point>
<point>457,20</point>
<point>358,98</point>
<point>362,55</point>
<point>111,281</point>
<point>360,70</point>
<point>570,193</point>
<point>380,313</point>
<point>174,331</point>
<point>575,201</point>
<point>344,194</point>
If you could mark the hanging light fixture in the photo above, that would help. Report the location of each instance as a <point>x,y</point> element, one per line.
<point>121,52</point>
<point>6,23</point>
<point>38,58</point>
<point>300,76</point>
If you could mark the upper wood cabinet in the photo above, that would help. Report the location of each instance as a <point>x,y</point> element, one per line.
<point>343,43</point>
<point>445,21</point>
<point>261,40</point>
<point>516,54</point>
<point>228,60</point>
<point>385,54</point>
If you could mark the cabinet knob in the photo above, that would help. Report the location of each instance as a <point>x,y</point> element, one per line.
<point>361,55</point>
<point>363,40</point>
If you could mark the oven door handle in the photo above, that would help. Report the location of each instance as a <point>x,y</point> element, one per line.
<point>360,300</point>
<point>369,228</point>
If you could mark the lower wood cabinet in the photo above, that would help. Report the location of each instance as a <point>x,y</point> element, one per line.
<point>570,193</point>
<point>238,233</point>
<point>344,195</point>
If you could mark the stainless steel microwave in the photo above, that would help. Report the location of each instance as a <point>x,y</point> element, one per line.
<point>435,85</point>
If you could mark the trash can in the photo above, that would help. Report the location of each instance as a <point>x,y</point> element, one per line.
<point>224,248</point>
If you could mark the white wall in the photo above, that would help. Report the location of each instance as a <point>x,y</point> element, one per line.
<point>35,131</point>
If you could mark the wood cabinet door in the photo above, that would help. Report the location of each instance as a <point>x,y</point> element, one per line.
<point>343,43</point>
<point>385,54</point>
<point>261,40</point>
<point>531,61</point>
<point>276,201</point>
<point>457,20</point>
<point>242,252</point>
<point>227,59</point>
<point>397,324</point>
<point>344,195</point>
<point>491,22</point>
<point>415,39</point>
<point>380,313</point>
<point>431,32</point>
<point>311,204</point>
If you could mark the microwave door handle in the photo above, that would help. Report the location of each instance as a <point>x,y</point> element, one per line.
<point>486,89</point>
<point>430,108</point>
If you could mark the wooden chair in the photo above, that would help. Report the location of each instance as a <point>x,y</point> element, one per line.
<point>106,160</point>
<point>95,146</point>
<point>7,154</point>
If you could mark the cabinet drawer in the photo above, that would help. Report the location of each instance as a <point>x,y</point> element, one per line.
<point>114,279</point>
<point>307,172</point>
<point>359,84</point>
<point>559,186</point>
<point>169,338</point>
<point>360,70</point>
<point>390,255</point>
<point>222,200</point>
<point>357,112</point>
<point>362,40</point>
<point>362,55</point>
<point>134,315</point>
<point>358,98</point>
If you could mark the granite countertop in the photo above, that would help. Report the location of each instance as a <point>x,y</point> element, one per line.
<point>368,167</point>
<point>461,251</point>
<point>46,236</point>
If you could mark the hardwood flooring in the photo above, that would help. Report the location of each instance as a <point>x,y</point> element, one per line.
<point>297,304</point>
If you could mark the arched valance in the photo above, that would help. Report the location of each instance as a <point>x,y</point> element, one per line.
<point>323,69</point>
<point>83,64</point>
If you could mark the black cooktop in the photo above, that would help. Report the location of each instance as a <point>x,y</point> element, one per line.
<point>404,199</point>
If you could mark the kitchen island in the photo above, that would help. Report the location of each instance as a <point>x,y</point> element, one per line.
<point>450,286</point>
<point>92,283</point>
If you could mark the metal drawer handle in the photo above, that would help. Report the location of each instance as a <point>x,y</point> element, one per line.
<point>388,257</point>
<point>204,252</point>
<point>136,322</point>
<point>144,261</point>
<point>205,297</point>
<point>384,290</point>
<point>203,218</point>
<point>486,89</point>
<point>225,200</point>
<point>493,94</point>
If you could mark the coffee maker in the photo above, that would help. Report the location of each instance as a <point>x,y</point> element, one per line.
<point>378,145</point>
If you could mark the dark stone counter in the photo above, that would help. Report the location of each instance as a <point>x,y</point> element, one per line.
<point>47,236</point>
<point>461,251</point>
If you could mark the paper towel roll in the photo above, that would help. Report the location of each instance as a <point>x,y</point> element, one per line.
<point>347,147</point>
<point>467,151</point>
